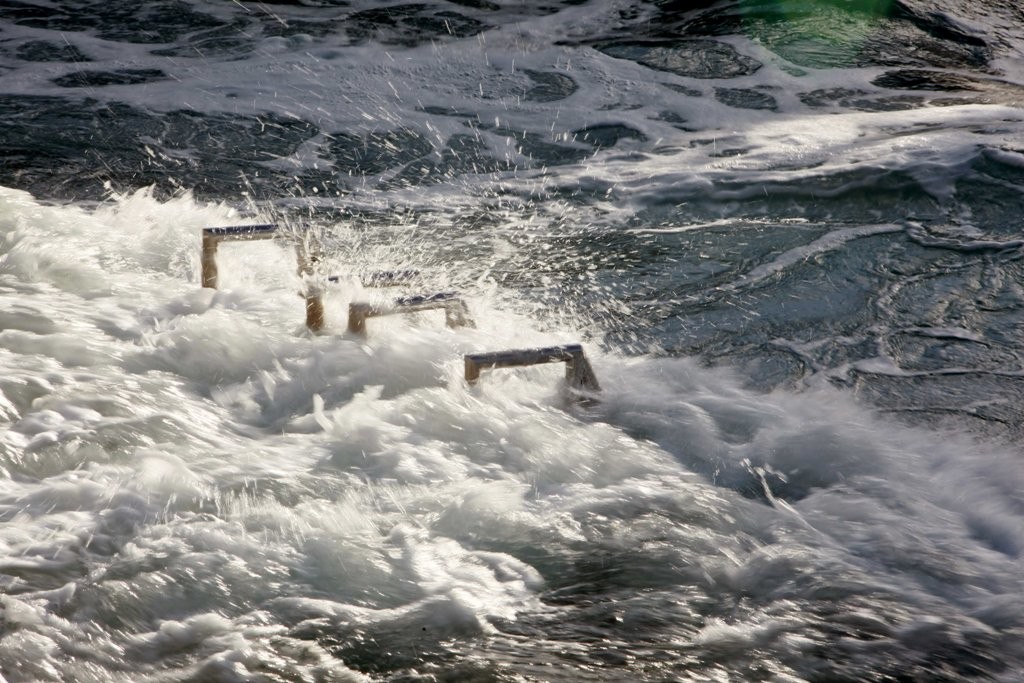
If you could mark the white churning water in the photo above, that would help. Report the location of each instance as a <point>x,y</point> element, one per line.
<point>194,485</point>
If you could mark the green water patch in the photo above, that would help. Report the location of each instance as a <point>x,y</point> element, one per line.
<point>829,33</point>
<point>826,33</point>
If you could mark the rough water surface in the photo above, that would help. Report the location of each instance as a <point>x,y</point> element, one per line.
<point>787,235</point>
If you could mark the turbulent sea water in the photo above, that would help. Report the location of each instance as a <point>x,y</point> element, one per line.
<point>788,234</point>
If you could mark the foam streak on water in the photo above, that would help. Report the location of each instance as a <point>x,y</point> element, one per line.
<point>786,234</point>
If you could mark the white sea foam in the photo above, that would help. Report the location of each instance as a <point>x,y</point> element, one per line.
<point>193,468</point>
